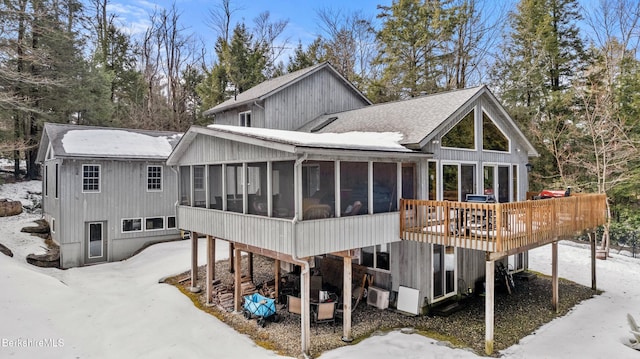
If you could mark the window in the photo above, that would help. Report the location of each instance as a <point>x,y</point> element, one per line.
<point>385,183</point>
<point>462,135</point>
<point>354,188</point>
<point>46,182</point>
<point>57,180</point>
<point>245,119</point>
<point>132,225</point>
<point>215,186</point>
<point>282,189</point>
<point>154,178</point>
<point>318,189</point>
<point>492,138</point>
<point>171,222</point>
<point>185,185</point>
<point>375,257</point>
<point>198,178</point>
<point>90,178</point>
<point>153,223</point>
<point>53,225</point>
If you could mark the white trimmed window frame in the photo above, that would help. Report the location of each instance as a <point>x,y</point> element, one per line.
<point>242,119</point>
<point>153,181</point>
<point>98,177</point>
<point>175,222</point>
<point>154,229</point>
<point>122,230</point>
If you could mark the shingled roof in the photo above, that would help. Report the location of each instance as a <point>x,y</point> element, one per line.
<point>269,87</point>
<point>416,119</point>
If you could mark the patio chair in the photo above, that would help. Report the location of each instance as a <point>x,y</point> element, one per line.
<point>324,313</point>
<point>294,305</point>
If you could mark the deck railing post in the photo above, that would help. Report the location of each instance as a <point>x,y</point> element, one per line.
<point>402,217</point>
<point>498,227</point>
<point>447,222</point>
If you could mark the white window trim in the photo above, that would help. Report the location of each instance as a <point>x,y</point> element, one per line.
<point>175,220</point>
<point>148,178</point>
<point>102,239</point>
<point>245,122</point>
<point>455,276</point>
<point>128,219</point>
<point>475,133</point>
<point>154,229</point>
<point>509,150</point>
<point>99,178</point>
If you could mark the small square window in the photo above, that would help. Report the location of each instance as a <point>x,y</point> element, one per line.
<point>245,119</point>
<point>132,225</point>
<point>154,223</point>
<point>171,222</point>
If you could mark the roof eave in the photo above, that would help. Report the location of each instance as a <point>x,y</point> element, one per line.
<point>343,152</point>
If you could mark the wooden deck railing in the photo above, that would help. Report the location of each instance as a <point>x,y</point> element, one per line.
<point>505,228</point>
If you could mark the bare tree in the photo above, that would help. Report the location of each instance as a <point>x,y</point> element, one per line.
<point>349,43</point>
<point>267,33</point>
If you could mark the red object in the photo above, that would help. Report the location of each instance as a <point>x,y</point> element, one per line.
<point>552,194</point>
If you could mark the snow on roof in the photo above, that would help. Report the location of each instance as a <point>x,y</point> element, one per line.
<point>356,140</point>
<point>116,143</point>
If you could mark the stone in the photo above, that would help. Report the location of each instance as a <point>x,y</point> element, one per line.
<point>10,208</point>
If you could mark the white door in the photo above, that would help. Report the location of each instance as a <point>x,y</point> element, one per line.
<point>95,244</point>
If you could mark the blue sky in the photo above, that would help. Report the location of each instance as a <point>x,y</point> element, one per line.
<point>302,15</point>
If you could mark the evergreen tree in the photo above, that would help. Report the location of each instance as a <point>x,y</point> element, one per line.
<point>410,42</point>
<point>543,56</point>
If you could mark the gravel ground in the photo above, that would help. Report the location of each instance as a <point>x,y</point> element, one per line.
<point>516,316</point>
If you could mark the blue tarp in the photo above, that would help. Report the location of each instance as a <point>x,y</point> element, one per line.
<point>259,305</point>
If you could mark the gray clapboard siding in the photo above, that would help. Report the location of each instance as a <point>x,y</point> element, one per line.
<point>123,194</point>
<point>294,105</point>
<point>232,117</point>
<point>337,234</point>
<point>264,232</point>
<point>314,237</point>
<point>419,274</point>
<point>207,149</point>
<point>318,94</point>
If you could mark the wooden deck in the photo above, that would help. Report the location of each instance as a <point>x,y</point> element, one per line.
<point>500,228</point>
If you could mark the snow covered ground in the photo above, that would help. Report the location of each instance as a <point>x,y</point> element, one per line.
<point>119,310</point>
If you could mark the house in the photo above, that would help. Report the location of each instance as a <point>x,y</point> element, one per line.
<point>392,187</point>
<point>107,192</point>
<point>291,100</point>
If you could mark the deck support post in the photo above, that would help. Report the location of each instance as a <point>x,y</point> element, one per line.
<point>346,299</point>
<point>592,240</point>
<point>194,263</point>
<point>231,262</point>
<point>305,311</point>
<point>251,265</point>
<point>554,276</point>
<point>211,265</point>
<point>276,272</point>
<point>237,287</point>
<point>489,299</point>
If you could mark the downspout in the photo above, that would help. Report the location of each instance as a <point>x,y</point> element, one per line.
<point>305,341</point>
<point>175,205</point>
<point>256,104</point>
